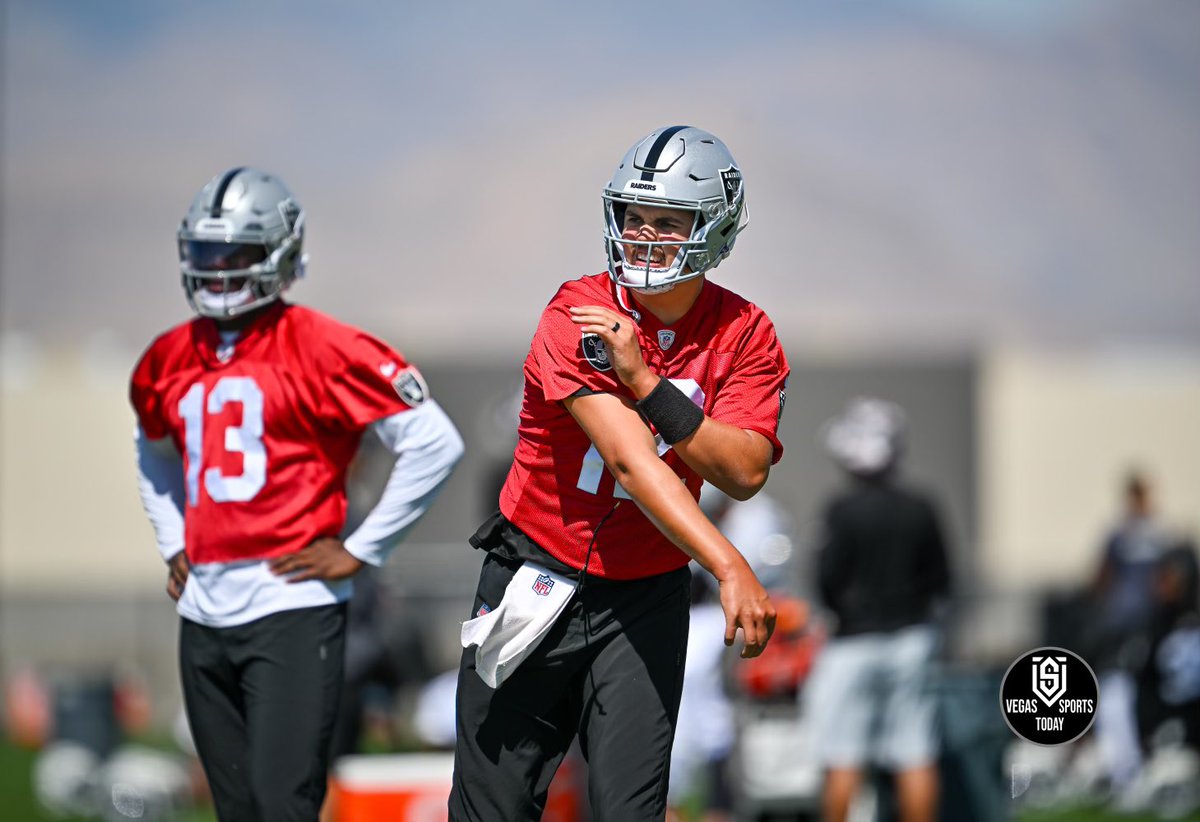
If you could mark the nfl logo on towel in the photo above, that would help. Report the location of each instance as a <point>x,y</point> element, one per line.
<point>542,585</point>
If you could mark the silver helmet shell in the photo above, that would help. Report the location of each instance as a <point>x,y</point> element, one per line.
<point>675,167</point>
<point>240,243</point>
<point>866,439</point>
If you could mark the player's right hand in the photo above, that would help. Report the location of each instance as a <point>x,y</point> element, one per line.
<point>747,606</point>
<point>177,574</point>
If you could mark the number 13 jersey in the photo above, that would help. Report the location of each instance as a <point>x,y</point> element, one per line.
<point>268,426</point>
<point>723,353</point>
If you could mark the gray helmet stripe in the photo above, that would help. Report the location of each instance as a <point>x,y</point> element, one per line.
<point>219,197</point>
<point>657,149</point>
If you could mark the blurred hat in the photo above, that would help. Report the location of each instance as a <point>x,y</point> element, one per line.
<point>866,438</point>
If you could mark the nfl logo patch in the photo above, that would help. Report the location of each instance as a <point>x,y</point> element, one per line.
<point>666,338</point>
<point>542,585</point>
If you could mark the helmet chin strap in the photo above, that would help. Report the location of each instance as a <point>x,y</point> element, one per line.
<point>633,312</point>
<point>658,289</point>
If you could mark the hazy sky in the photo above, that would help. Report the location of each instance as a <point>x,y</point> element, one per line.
<point>945,175</point>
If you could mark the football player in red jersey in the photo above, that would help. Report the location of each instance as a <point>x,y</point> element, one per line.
<point>248,418</point>
<point>640,383</point>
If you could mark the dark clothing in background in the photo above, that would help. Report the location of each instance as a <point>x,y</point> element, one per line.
<point>1168,680</point>
<point>1126,606</point>
<point>883,560</point>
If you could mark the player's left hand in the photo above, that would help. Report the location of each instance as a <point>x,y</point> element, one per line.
<point>326,558</point>
<point>624,349</point>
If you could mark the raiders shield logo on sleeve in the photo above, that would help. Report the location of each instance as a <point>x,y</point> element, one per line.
<point>411,387</point>
<point>595,352</point>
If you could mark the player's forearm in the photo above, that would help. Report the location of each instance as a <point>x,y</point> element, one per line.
<point>160,486</point>
<point>727,456</point>
<point>663,497</point>
<point>428,447</point>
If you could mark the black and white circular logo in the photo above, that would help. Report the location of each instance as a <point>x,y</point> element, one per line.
<point>1049,696</point>
<point>595,352</point>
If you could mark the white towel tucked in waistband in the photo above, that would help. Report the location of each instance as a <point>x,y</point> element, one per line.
<point>534,598</point>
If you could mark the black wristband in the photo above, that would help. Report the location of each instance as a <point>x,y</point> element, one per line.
<point>671,412</point>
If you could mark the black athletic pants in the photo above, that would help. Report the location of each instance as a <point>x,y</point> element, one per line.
<point>609,670</point>
<point>261,701</point>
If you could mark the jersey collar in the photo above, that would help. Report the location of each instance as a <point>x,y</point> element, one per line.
<point>207,338</point>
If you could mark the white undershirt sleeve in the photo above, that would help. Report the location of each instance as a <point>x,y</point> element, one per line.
<point>160,483</point>
<point>427,447</point>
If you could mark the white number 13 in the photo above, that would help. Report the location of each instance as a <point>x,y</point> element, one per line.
<point>245,439</point>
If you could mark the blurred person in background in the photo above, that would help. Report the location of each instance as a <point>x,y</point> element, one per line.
<point>882,569</point>
<point>385,652</point>
<point>248,418</point>
<point>706,728</point>
<point>1123,597</point>
<point>1168,680</point>
<point>581,614</point>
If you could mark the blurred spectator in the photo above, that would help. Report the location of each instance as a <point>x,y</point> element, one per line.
<point>1168,692</point>
<point>1123,587</point>
<point>762,530</point>
<point>1124,607</point>
<point>384,652</point>
<point>882,566</point>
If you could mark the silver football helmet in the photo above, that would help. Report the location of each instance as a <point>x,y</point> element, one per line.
<point>240,243</point>
<point>866,439</point>
<point>675,167</point>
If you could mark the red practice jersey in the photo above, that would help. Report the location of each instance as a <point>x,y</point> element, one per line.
<point>267,428</point>
<point>723,354</point>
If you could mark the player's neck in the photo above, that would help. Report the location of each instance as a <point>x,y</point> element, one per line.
<point>669,306</point>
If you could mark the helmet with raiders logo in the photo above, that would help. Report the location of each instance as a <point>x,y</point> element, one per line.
<point>240,243</point>
<point>678,167</point>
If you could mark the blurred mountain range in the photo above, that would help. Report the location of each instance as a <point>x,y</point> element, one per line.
<point>946,176</point>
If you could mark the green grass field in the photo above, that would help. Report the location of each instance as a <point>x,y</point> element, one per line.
<point>1090,815</point>
<point>16,786</point>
